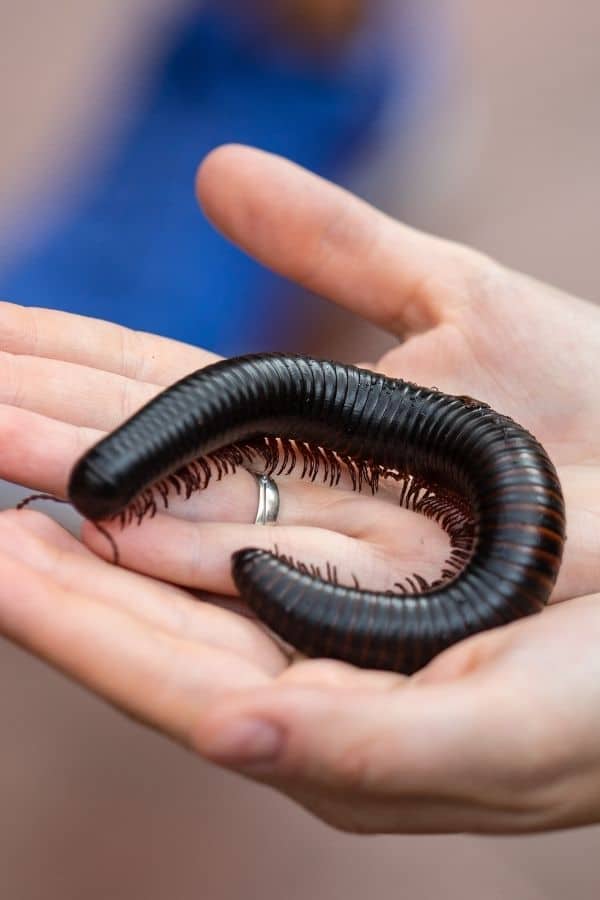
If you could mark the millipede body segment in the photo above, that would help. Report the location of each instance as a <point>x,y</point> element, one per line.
<point>486,479</point>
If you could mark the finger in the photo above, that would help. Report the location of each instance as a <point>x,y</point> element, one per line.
<point>332,243</point>
<point>153,676</point>
<point>458,731</point>
<point>304,715</point>
<point>97,344</point>
<point>38,451</point>
<point>71,392</point>
<point>199,554</point>
<point>388,543</point>
<point>48,549</point>
<point>580,571</point>
<point>331,673</point>
<point>398,757</point>
<point>340,508</point>
<point>406,756</point>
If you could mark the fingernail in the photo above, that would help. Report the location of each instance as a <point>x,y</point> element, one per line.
<point>246,743</point>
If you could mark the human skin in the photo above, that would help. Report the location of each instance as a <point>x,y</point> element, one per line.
<point>497,734</point>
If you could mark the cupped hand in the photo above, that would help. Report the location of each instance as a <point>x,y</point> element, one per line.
<point>489,736</point>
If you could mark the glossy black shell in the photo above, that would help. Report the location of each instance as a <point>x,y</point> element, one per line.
<point>452,443</point>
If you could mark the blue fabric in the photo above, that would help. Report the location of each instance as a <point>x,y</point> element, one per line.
<point>138,252</point>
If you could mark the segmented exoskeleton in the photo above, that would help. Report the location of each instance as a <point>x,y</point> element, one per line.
<point>484,478</point>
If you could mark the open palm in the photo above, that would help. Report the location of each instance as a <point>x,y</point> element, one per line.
<point>331,736</point>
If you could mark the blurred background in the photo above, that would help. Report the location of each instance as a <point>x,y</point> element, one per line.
<point>478,121</point>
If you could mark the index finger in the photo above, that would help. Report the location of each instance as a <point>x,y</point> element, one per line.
<point>48,333</point>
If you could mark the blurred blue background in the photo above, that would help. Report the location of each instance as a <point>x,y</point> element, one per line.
<point>135,249</point>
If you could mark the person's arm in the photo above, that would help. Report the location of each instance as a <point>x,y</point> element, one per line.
<point>497,733</point>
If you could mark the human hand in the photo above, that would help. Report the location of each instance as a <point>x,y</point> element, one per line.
<point>457,306</point>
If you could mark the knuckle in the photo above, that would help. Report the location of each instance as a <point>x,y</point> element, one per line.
<point>12,383</point>
<point>354,769</point>
<point>482,279</point>
<point>535,771</point>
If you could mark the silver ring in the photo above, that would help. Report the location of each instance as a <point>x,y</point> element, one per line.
<point>268,500</point>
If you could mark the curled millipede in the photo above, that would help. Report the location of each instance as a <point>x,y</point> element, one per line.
<point>486,480</point>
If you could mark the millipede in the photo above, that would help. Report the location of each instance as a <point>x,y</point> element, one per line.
<point>484,478</point>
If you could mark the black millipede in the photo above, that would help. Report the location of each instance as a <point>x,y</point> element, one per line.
<point>487,481</point>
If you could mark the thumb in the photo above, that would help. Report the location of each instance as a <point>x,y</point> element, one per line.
<point>400,738</point>
<point>409,757</point>
<point>332,243</point>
